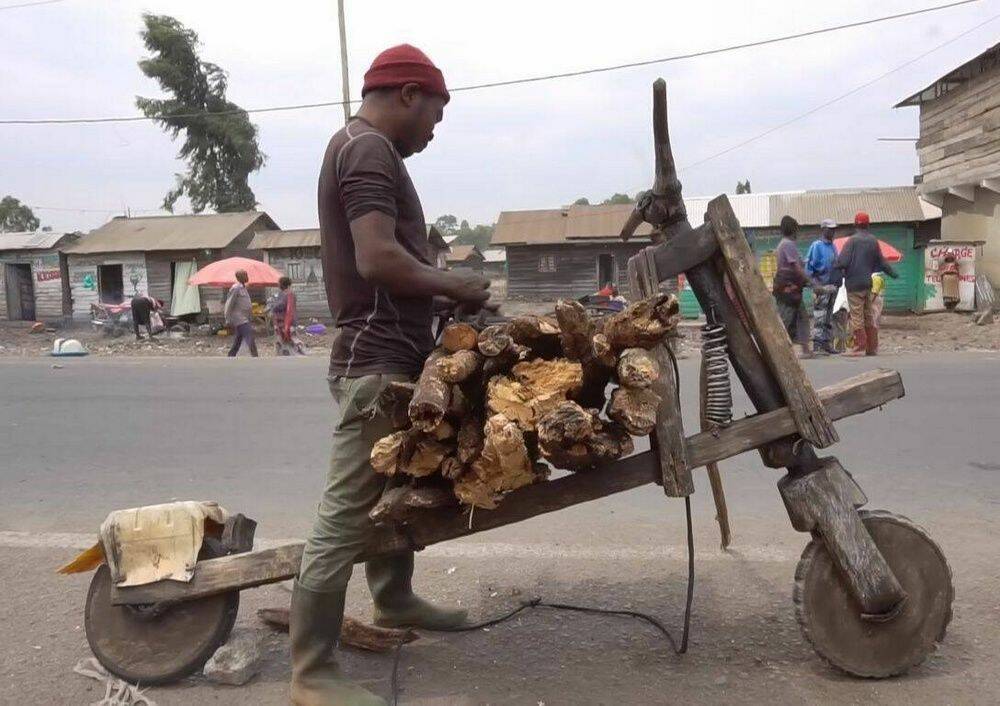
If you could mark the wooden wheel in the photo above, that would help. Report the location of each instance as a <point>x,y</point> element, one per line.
<point>831,620</point>
<point>157,643</point>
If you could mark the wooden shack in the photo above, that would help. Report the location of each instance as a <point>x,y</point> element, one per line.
<point>156,255</point>
<point>34,280</point>
<point>959,153</point>
<point>296,253</point>
<point>467,257</point>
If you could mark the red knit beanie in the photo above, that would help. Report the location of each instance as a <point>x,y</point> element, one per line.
<point>404,64</point>
<point>861,219</point>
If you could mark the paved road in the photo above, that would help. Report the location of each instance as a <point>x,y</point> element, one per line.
<point>98,435</point>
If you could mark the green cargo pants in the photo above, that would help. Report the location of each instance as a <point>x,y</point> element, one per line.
<point>342,526</point>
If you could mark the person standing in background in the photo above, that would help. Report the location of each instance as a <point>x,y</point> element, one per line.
<point>819,267</point>
<point>238,315</point>
<point>789,281</point>
<point>858,261</point>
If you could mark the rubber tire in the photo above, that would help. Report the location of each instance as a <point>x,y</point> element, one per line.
<point>843,623</point>
<point>210,549</point>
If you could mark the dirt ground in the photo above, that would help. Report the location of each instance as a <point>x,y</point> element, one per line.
<point>911,333</point>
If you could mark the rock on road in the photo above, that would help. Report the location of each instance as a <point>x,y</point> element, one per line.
<point>104,434</point>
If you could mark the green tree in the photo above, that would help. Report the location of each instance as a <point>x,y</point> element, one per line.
<point>221,150</point>
<point>479,236</point>
<point>617,199</point>
<point>16,216</point>
<point>582,201</point>
<point>446,224</point>
<point>743,187</point>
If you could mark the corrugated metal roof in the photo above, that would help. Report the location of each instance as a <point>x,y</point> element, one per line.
<point>187,232</point>
<point>296,238</point>
<point>956,78</point>
<point>460,253</point>
<point>30,240</point>
<point>896,204</point>
<point>763,210</point>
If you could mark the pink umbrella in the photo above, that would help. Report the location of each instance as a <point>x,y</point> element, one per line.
<point>223,273</point>
<point>890,253</point>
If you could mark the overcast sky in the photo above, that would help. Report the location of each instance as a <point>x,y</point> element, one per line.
<point>538,145</point>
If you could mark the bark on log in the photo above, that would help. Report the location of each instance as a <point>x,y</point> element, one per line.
<point>494,340</point>
<point>428,453</point>
<point>637,368</point>
<point>394,403</point>
<point>640,325</point>
<point>431,396</point>
<point>603,352</point>
<point>576,330</point>
<point>353,633</point>
<point>502,363</point>
<point>504,465</point>
<point>459,337</point>
<point>387,452</point>
<point>459,367</point>
<point>576,439</point>
<point>610,442</point>
<point>470,440</point>
<point>634,409</point>
<point>452,468</point>
<point>540,334</point>
<point>389,506</point>
<point>444,431</point>
<point>459,408</point>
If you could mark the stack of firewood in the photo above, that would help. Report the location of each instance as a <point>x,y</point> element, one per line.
<point>495,407</point>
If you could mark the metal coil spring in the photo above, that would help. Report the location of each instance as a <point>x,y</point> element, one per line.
<point>718,392</point>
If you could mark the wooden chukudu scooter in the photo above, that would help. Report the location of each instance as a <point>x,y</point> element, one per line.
<point>873,592</point>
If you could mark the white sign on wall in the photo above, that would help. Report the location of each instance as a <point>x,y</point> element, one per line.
<point>965,256</point>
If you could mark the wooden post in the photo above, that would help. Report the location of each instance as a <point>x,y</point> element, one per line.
<point>811,419</point>
<point>668,439</point>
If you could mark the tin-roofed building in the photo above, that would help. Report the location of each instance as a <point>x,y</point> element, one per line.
<point>573,251</point>
<point>157,255</point>
<point>34,281</point>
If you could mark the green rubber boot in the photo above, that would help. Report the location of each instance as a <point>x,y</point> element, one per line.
<point>314,628</point>
<point>396,606</point>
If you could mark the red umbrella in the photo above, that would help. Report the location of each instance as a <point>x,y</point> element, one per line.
<point>223,273</point>
<point>890,253</point>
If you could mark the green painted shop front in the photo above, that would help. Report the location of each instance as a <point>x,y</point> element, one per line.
<point>901,294</point>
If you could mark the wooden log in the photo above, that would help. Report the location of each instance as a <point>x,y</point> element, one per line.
<point>539,334</point>
<point>390,506</point>
<point>637,368</point>
<point>459,367</point>
<point>634,409</point>
<point>577,334</point>
<point>459,406</point>
<point>855,395</point>
<point>444,431</point>
<point>470,440</point>
<point>502,363</point>
<point>576,439</point>
<point>353,633</point>
<point>812,421</point>
<point>394,402</point>
<point>503,465</point>
<point>603,353</point>
<point>431,396</point>
<point>459,337</point>
<point>639,325</point>
<point>452,468</point>
<point>387,452</point>
<point>536,386</point>
<point>494,340</point>
<point>609,442</point>
<point>426,458</point>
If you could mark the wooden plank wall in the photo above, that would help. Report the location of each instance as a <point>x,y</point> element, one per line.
<point>960,133</point>
<point>576,269</point>
<point>46,280</point>
<point>304,267</point>
<point>83,278</point>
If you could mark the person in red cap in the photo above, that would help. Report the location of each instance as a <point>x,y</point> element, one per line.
<point>860,258</point>
<point>381,284</point>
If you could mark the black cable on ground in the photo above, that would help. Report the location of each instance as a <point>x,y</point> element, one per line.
<point>539,603</point>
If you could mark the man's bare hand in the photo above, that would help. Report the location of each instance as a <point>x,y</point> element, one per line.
<point>469,287</point>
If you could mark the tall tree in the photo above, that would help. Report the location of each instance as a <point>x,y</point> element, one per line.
<point>446,224</point>
<point>582,201</point>
<point>743,187</point>
<point>617,199</point>
<point>221,150</point>
<point>16,216</point>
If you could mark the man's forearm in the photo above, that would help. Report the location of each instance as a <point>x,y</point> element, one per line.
<point>401,274</point>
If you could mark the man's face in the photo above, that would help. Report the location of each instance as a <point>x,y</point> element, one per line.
<point>424,111</point>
